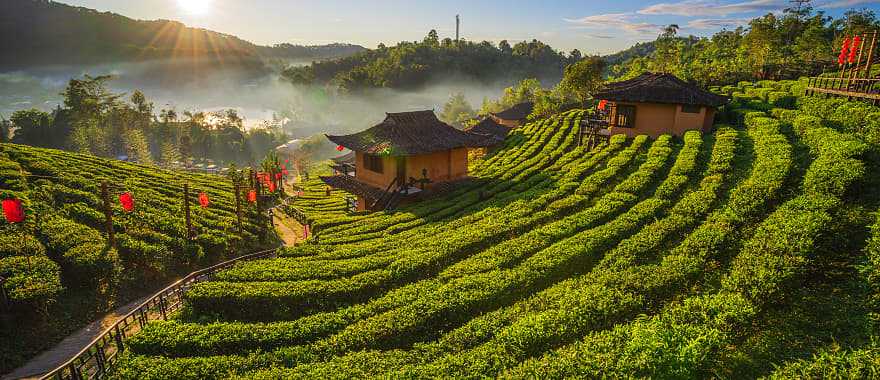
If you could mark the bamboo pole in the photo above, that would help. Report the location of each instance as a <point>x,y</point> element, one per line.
<point>186,212</point>
<point>870,56</point>
<point>237,189</point>
<point>108,214</point>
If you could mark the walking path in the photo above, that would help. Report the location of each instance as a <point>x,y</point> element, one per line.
<point>70,346</point>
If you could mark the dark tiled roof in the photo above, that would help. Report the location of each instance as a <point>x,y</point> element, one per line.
<point>659,88</point>
<point>518,112</point>
<point>347,158</point>
<point>352,185</point>
<point>491,128</point>
<point>410,133</point>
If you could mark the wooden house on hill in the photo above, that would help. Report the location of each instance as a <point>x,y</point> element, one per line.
<point>658,103</point>
<point>515,116</point>
<point>344,164</point>
<point>402,156</point>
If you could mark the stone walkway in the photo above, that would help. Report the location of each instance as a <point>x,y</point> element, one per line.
<point>70,346</point>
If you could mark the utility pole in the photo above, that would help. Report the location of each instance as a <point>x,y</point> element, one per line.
<point>457,27</point>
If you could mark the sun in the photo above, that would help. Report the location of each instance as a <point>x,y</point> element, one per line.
<point>194,7</point>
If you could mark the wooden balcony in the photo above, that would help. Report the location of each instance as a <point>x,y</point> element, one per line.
<point>852,88</point>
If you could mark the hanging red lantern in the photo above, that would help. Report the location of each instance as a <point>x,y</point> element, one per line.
<point>286,160</point>
<point>854,49</point>
<point>203,200</point>
<point>127,201</point>
<point>13,210</point>
<point>284,171</point>
<point>271,187</point>
<point>340,148</point>
<point>602,104</point>
<point>252,196</point>
<point>844,51</point>
<point>277,176</point>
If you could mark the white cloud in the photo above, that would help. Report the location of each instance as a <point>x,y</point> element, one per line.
<point>716,23</point>
<point>692,8</point>
<point>846,3</point>
<point>620,21</point>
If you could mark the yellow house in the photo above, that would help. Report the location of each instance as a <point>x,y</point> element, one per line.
<point>404,155</point>
<point>658,103</point>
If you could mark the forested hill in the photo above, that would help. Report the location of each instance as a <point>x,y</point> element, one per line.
<point>413,64</point>
<point>36,32</point>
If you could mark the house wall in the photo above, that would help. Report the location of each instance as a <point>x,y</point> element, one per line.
<point>442,166</point>
<point>654,119</point>
<point>380,180</point>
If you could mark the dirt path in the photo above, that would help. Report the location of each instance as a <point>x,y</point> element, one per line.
<point>70,346</point>
<point>288,229</point>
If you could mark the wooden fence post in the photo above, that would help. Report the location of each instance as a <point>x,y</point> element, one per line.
<point>108,214</point>
<point>237,187</point>
<point>187,217</point>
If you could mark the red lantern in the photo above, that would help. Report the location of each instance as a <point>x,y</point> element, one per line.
<point>340,148</point>
<point>13,210</point>
<point>854,48</point>
<point>271,187</point>
<point>127,201</point>
<point>286,160</point>
<point>284,171</point>
<point>277,175</point>
<point>602,104</point>
<point>252,196</point>
<point>203,200</point>
<point>844,51</point>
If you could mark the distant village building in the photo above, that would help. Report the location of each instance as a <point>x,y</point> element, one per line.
<point>515,116</point>
<point>344,164</point>
<point>655,104</point>
<point>491,128</point>
<point>402,156</point>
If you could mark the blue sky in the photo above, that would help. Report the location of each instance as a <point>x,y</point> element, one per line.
<point>591,26</point>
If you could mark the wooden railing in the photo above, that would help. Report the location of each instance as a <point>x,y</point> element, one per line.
<point>849,87</point>
<point>98,357</point>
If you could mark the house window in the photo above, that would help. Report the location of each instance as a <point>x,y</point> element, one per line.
<point>686,108</point>
<point>626,116</point>
<point>373,163</point>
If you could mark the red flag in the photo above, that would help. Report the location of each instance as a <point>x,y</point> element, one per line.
<point>203,200</point>
<point>13,210</point>
<point>340,148</point>
<point>854,49</point>
<point>127,201</point>
<point>252,196</point>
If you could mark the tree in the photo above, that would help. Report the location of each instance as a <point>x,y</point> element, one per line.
<point>583,78</point>
<point>32,127</point>
<point>457,110</point>
<point>432,39</point>
<point>137,148</point>
<point>5,130</point>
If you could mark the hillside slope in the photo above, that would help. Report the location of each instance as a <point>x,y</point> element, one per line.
<point>737,254</point>
<point>58,268</point>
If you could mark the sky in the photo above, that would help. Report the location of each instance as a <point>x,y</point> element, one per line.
<point>594,27</point>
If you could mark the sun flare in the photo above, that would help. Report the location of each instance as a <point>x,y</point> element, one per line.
<point>194,7</point>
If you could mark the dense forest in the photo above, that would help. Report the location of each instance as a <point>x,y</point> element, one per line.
<point>42,32</point>
<point>775,46</point>
<point>413,64</point>
<point>96,121</point>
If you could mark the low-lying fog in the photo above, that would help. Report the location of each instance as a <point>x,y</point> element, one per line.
<point>259,95</point>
